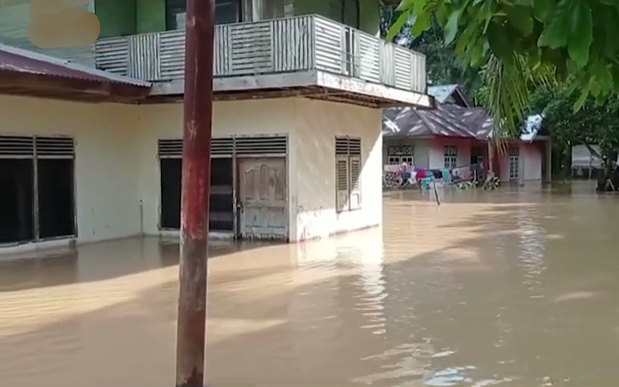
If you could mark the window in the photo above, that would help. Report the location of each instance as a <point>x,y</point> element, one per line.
<point>221,208</point>
<point>348,173</point>
<point>400,154</point>
<point>226,12</point>
<point>451,157</point>
<point>345,12</point>
<point>514,164</point>
<point>37,199</point>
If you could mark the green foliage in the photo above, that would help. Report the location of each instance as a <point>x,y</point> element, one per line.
<point>539,39</point>
<point>443,65</point>
<point>596,122</point>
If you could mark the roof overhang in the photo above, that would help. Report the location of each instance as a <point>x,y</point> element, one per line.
<point>310,84</point>
<point>28,73</point>
<point>73,89</point>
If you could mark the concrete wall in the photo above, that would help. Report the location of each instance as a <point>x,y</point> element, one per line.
<point>238,117</point>
<point>311,127</point>
<point>530,165</point>
<point>317,124</point>
<point>429,153</point>
<point>117,173</point>
<point>421,151</point>
<point>106,161</point>
<point>437,151</point>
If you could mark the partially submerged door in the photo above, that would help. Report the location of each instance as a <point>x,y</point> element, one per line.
<point>262,198</point>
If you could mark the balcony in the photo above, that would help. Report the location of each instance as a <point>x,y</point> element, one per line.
<point>301,53</point>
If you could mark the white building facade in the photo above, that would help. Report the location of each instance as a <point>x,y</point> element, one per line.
<point>297,137</point>
<point>118,163</point>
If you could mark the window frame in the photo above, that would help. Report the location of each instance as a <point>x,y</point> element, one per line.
<point>348,162</point>
<point>168,14</point>
<point>398,154</point>
<point>36,150</point>
<point>513,161</point>
<point>450,157</point>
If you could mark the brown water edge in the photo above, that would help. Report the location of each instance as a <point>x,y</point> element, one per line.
<point>517,287</point>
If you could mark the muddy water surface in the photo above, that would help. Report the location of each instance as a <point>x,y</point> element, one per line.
<point>511,288</point>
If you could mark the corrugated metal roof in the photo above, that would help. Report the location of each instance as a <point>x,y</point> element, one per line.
<point>449,120</point>
<point>441,92</point>
<point>410,122</point>
<point>476,119</point>
<point>25,61</point>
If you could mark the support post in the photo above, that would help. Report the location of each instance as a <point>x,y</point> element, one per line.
<point>197,120</point>
<point>549,161</point>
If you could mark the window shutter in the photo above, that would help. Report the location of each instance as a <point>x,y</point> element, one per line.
<point>341,181</point>
<point>355,183</point>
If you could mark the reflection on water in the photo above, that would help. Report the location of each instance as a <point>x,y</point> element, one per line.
<point>490,288</point>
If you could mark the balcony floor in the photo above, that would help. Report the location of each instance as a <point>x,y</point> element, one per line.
<point>310,84</point>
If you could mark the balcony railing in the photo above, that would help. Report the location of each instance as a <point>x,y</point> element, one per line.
<point>270,47</point>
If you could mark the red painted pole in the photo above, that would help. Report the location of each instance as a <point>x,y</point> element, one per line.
<point>197,121</point>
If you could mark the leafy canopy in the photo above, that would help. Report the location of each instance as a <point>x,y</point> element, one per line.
<point>443,65</point>
<point>595,123</point>
<point>520,40</point>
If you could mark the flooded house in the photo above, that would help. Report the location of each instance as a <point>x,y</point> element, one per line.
<point>91,138</point>
<point>456,135</point>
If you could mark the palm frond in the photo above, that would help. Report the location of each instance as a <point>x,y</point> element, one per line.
<point>507,95</point>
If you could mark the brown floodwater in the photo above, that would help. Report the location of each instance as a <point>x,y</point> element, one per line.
<point>518,287</point>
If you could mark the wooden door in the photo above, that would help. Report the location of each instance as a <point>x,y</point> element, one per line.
<point>262,198</point>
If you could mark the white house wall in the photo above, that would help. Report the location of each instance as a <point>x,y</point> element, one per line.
<point>421,150</point>
<point>530,166</point>
<point>106,161</point>
<point>429,153</point>
<point>437,151</point>
<point>117,172</point>
<point>532,162</point>
<point>274,116</point>
<point>317,124</point>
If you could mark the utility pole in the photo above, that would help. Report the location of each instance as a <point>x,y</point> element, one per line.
<point>197,121</point>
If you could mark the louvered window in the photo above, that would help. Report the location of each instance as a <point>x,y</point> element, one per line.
<point>37,176</point>
<point>348,173</point>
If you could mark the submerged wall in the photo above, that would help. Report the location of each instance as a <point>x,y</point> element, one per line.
<point>117,177</point>
<point>317,124</point>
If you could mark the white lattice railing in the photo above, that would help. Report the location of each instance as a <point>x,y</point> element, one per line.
<point>269,47</point>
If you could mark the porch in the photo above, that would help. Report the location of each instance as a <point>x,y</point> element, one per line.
<point>308,56</point>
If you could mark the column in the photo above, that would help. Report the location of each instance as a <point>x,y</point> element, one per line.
<point>548,161</point>
<point>521,171</point>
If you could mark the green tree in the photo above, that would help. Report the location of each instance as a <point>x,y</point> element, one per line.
<point>596,122</point>
<point>519,41</point>
<point>443,65</point>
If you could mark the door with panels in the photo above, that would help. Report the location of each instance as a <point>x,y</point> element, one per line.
<point>263,188</point>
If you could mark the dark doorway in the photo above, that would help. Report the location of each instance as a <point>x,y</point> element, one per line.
<point>226,12</point>
<point>222,201</point>
<point>56,198</point>
<point>221,214</point>
<point>171,172</point>
<point>16,200</point>
<point>477,155</point>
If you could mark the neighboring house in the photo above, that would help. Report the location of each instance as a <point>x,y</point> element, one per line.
<point>450,95</point>
<point>585,163</point>
<point>456,135</point>
<point>296,132</point>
